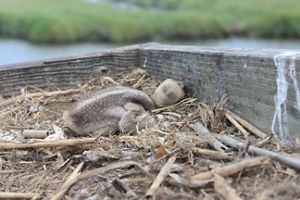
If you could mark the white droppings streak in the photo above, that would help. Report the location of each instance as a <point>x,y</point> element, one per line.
<point>145,62</point>
<point>281,114</point>
<point>293,75</point>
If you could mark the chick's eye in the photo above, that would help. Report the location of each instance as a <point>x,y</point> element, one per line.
<point>180,84</point>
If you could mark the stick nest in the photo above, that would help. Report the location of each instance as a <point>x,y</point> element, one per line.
<point>161,161</point>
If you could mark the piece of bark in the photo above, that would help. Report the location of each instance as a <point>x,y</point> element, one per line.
<point>164,172</point>
<point>226,191</point>
<point>284,159</point>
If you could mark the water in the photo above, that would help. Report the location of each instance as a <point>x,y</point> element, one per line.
<point>116,4</point>
<point>15,51</point>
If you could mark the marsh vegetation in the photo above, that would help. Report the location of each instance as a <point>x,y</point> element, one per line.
<point>66,21</point>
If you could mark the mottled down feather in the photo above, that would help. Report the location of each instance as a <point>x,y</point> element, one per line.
<point>104,109</point>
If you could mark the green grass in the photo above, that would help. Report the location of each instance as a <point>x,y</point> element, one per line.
<point>58,21</point>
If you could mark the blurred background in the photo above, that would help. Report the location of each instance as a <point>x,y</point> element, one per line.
<point>39,29</point>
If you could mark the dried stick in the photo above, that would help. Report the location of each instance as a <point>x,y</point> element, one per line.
<point>57,143</point>
<point>230,169</point>
<point>60,194</point>
<point>188,100</point>
<point>247,125</point>
<point>237,125</point>
<point>38,94</point>
<point>217,155</point>
<point>164,172</point>
<point>226,191</point>
<point>284,159</point>
<point>206,134</point>
<point>18,195</point>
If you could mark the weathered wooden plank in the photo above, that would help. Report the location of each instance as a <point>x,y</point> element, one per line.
<point>65,72</point>
<point>248,77</point>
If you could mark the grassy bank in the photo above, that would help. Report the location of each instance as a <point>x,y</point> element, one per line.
<point>56,21</point>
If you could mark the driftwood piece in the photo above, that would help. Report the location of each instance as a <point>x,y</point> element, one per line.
<point>19,195</point>
<point>226,191</point>
<point>57,143</point>
<point>284,159</point>
<point>164,172</point>
<point>204,132</point>
<point>247,125</point>
<point>229,169</point>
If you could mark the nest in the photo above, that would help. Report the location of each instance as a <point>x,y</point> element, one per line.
<point>180,156</point>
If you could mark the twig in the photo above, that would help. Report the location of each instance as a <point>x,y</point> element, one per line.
<point>139,82</point>
<point>60,194</point>
<point>110,80</point>
<point>226,191</point>
<point>172,114</point>
<point>164,172</point>
<point>178,180</point>
<point>247,125</point>
<point>229,169</point>
<point>65,142</point>
<point>188,100</point>
<point>205,133</point>
<point>264,141</point>
<point>284,159</point>
<point>18,195</point>
<point>237,125</point>
<point>211,154</point>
